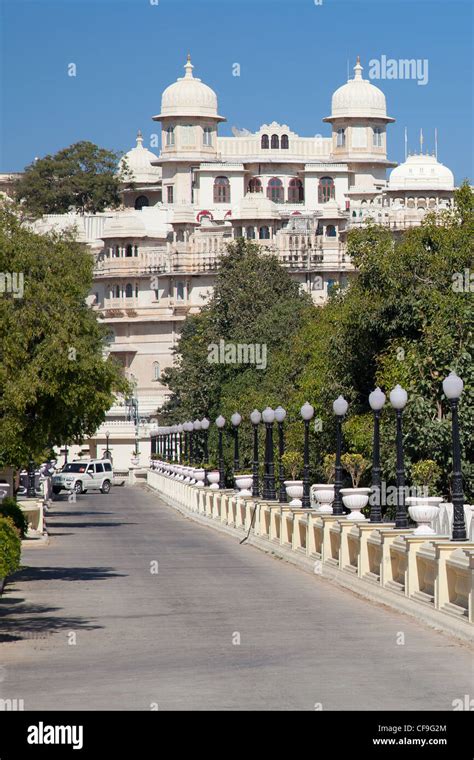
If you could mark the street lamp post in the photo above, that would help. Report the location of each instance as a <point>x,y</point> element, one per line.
<point>205,430</point>
<point>280,415</point>
<point>453,388</point>
<point>269,475</point>
<point>107,452</point>
<point>220,422</point>
<point>197,449</point>
<point>255,419</point>
<point>376,401</point>
<point>31,492</point>
<point>398,399</point>
<point>307,412</point>
<point>236,419</point>
<point>339,408</point>
<point>180,443</point>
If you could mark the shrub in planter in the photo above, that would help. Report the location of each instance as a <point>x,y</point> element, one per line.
<point>9,508</point>
<point>292,462</point>
<point>10,547</point>
<point>426,474</point>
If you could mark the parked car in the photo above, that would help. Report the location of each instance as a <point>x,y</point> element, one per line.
<point>84,475</point>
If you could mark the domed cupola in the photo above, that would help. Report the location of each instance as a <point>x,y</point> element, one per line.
<point>139,161</point>
<point>188,96</point>
<point>421,172</point>
<point>358,98</point>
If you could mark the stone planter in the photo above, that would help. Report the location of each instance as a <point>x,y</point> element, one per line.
<point>199,474</point>
<point>244,484</point>
<point>294,491</point>
<point>423,510</point>
<point>213,479</point>
<point>324,495</point>
<point>355,499</point>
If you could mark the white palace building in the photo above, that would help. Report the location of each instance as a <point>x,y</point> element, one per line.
<point>294,196</point>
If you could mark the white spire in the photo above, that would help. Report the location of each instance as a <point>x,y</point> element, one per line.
<point>358,69</point>
<point>139,139</point>
<point>189,68</point>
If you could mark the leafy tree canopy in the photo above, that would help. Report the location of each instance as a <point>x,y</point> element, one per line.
<point>55,385</point>
<point>82,177</point>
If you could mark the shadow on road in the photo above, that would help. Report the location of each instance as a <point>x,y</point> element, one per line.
<point>65,574</point>
<point>21,620</point>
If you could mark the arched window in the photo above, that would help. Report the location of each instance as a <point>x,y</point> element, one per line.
<point>377,137</point>
<point>340,138</point>
<point>255,185</point>
<point>170,136</point>
<point>117,291</point>
<point>129,251</point>
<point>207,137</point>
<point>275,190</point>
<point>330,230</point>
<point>295,191</point>
<point>117,251</point>
<point>285,142</point>
<point>180,291</point>
<point>129,291</point>
<point>411,203</point>
<point>156,371</point>
<point>221,190</point>
<point>265,143</point>
<point>141,201</point>
<point>136,291</point>
<point>250,232</point>
<point>264,233</point>
<point>275,142</point>
<point>326,189</point>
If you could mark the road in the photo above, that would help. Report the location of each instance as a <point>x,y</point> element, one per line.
<point>89,624</point>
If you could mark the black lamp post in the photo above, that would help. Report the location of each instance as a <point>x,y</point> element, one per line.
<point>398,399</point>
<point>186,442</point>
<point>188,427</point>
<point>280,415</point>
<point>31,492</point>
<point>180,443</point>
<point>255,419</point>
<point>339,408</point>
<point>205,433</point>
<point>107,451</point>
<point>236,419</point>
<point>307,412</point>
<point>269,474</point>
<point>220,422</point>
<point>197,447</point>
<point>376,401</point>
<point>453,387</point>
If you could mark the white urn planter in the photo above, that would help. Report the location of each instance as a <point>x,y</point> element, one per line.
<point>294,491</point>
<point>423,510</point>
<point>244,484</point>
<point>323,493</point>
<point>199,474</point>
<point>213,479</point>
<point>355,499</point>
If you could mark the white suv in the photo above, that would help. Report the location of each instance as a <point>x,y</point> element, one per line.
<point>83,475</point>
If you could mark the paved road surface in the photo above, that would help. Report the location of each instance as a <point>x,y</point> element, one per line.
<point>170,639</point>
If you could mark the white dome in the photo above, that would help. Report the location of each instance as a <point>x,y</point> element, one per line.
<point>255,206</point>
<point>136,224</point>
<point>188,96</point>
<point>421,172</point>
<point>139,162</point>
<point>359,98</point>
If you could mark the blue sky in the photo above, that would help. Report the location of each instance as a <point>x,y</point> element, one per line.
<point>293,54</point>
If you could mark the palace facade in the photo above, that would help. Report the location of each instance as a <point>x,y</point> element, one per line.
<point>295,196</point>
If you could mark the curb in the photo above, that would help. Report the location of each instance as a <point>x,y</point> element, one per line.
<point>361,588</point>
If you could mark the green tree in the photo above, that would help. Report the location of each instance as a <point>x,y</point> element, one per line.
<point>55,385</point>
<point>82,177</point>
